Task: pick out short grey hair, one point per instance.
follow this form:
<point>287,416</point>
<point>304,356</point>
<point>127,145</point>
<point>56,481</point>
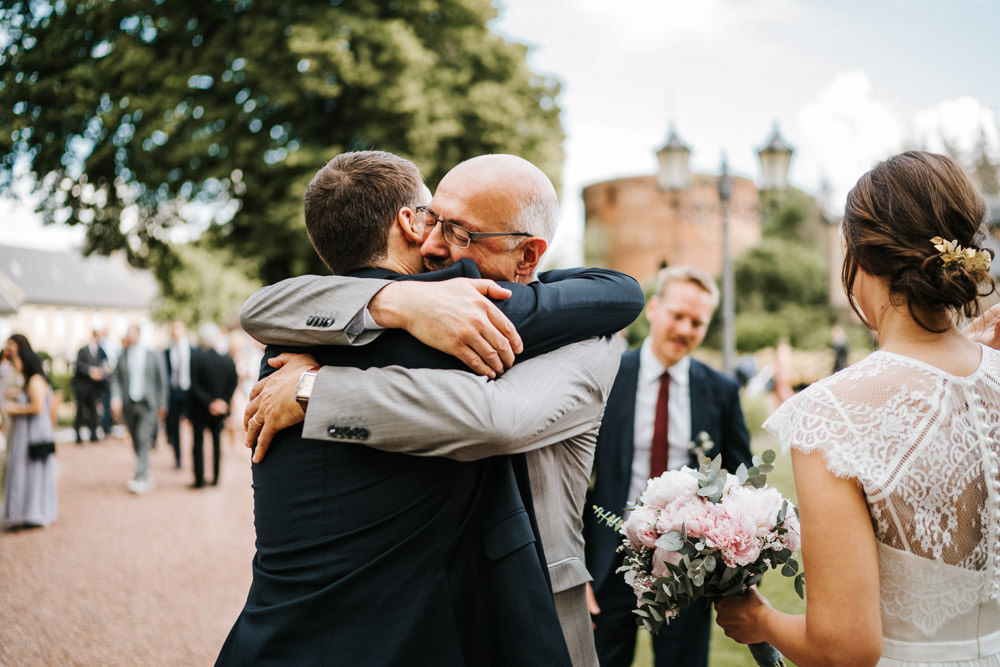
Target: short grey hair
<point>689,274</point>
<point>538,216</point>
<point>209,334</point>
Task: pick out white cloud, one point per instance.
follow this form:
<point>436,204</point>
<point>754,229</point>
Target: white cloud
<point>959,121</point>
<point>841,134</point>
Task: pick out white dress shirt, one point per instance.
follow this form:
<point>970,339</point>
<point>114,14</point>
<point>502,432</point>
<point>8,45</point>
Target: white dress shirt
<point>180,365</point>
<point>136,372</point>
<point>678,408</point>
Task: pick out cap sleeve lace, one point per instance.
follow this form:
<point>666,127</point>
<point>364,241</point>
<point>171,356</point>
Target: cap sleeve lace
<point>924,446</point>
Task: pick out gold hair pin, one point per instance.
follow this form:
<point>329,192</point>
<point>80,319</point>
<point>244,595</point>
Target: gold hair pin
<point>952,253</point>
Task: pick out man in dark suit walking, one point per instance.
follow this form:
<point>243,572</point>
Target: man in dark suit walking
<point>213,381</point>
<point>89,380</point>
<point>662,405</point>
<point>178,360</point>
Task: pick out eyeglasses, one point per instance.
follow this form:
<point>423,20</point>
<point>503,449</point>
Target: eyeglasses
<point>459,236</point>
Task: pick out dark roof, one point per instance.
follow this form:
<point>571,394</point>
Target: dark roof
<point>66,278</point>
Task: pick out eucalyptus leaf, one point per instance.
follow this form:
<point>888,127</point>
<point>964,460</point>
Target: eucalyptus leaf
<point>671,541</point>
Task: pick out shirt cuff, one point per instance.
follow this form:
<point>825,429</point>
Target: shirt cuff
<point>362,323</point>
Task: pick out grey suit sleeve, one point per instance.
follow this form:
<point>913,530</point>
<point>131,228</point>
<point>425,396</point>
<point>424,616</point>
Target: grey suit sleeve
<point>309,310</point>
<point>463,416</point>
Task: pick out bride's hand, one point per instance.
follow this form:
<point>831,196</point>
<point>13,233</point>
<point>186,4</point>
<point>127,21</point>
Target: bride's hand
<point>740,616</point>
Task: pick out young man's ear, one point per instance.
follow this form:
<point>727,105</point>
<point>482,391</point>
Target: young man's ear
<point>411,224</point>
<point>531,251</point>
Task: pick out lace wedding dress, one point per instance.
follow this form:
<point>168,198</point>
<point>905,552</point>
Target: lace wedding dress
<point>925,447</point>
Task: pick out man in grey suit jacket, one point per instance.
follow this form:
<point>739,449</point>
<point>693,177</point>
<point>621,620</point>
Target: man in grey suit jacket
<point>476,198</point>
<point>139,391</point>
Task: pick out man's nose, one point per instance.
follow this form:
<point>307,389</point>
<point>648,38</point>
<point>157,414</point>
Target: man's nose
<point>434,244</point>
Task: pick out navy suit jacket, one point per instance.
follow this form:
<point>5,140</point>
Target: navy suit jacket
<point>715,409</point>
<point>213,375</point>
<point>372,558</point>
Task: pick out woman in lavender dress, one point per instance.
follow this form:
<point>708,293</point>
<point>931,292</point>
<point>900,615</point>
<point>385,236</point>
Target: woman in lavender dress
<point>30,494</point>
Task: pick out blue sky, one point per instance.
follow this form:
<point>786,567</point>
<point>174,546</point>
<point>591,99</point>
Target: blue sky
<point>848,81</point>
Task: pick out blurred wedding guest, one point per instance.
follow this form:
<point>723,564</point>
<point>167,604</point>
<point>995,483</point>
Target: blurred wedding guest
<point>178,360</point>
<point>782,372</point>
<point>246,353</point>
<point>11,382</point>
<point>896,457</point>
<point>139,394</point>
<point>213,381</point>
<point>30,492</point>
<point>841,348</point>
<point>91,369</point>
<point>111,350</point>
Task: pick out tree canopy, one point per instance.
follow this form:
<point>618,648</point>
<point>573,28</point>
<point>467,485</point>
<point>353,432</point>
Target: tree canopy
<point>136,117</point>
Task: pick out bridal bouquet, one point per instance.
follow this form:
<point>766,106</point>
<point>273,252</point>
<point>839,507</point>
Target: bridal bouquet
<point>709,534</point>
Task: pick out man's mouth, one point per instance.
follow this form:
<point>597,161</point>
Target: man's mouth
<point>433,264</point>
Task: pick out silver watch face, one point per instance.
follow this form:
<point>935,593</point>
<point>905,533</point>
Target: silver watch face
<point>304,389</point>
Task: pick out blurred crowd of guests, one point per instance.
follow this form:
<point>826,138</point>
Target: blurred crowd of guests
<point>124,389</point>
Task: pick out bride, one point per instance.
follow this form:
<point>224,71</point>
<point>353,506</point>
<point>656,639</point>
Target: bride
<point>896,457</point>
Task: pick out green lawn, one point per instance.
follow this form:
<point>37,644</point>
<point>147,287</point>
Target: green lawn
<point>778,589</point>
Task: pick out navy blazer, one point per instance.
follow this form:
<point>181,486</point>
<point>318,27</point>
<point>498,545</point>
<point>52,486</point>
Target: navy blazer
<point>715,409</point>
<point>367,557</point>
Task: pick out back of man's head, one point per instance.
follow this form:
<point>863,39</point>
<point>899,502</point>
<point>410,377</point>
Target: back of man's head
<point>351,204</point>
<point>209,334</point>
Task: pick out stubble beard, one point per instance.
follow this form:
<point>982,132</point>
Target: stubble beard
<point>435,264</point>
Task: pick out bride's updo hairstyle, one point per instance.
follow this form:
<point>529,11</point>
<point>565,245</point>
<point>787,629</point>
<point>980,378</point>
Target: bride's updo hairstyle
<point>891,215</point>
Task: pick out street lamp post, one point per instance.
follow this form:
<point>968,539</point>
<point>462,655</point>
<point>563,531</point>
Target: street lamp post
<point>728,334</point>
<point>674,173</point>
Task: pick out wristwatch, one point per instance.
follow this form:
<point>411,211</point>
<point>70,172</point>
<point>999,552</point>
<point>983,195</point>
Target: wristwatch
<point>303,390</point>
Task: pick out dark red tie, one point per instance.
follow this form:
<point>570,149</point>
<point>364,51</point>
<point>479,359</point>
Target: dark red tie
<point>660,446</point>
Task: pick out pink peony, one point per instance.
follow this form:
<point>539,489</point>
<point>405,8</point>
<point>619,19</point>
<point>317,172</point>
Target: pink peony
<point>669,486</point>
<point>760,505</point>
<point>640,527</point>
<point>687,511</point>
<point>733,533</point>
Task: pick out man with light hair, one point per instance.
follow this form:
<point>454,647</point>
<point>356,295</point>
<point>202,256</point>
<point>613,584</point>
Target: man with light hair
<point>663,408</point>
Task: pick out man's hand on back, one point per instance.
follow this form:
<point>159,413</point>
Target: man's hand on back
<point>272,406</point>
<point>453,316</point>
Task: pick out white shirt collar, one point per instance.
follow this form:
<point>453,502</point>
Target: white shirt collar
<point>650,368</point>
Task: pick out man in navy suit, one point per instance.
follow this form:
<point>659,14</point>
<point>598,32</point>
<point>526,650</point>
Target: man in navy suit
<point>661,403</point>
<point>371,558</point>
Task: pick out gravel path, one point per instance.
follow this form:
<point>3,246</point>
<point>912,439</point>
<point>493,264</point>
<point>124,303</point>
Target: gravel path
<point>121,579</point>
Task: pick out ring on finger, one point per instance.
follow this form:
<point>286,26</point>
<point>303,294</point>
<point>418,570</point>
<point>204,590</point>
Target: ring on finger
<point>254,420</point>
